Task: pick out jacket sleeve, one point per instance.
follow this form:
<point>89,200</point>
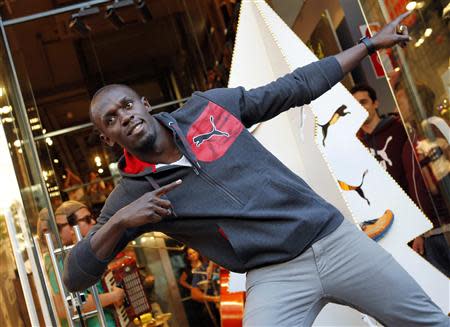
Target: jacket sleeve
<point>82,268</point>
<point>292,90</point>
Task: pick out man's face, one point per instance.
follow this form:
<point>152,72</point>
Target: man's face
<point>123,118</point>
<point>84,220</point>
<point>371,106</point>
<point>65,230</point>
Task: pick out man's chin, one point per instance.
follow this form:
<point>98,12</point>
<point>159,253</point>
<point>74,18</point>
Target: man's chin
<point>144,146</point>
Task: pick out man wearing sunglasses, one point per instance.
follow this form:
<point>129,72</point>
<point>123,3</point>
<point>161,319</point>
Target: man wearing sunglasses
<point>76,213</point>
<point>69,214</point>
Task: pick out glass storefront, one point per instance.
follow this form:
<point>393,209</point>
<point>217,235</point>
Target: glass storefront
<point>54,56</point>
<point>418,76</point>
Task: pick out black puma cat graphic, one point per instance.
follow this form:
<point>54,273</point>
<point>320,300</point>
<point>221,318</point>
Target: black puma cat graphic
<point>344,186</point>
<point>199,139</point>
<point>337,114</point>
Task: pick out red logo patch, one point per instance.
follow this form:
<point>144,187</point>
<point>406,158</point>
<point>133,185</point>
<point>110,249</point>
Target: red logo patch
<point>212,134</point>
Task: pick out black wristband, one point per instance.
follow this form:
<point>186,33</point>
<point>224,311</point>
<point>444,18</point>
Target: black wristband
<point>435,153</point>
<point>368,43</point>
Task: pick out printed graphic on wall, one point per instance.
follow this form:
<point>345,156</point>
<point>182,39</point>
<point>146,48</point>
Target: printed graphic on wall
<point>334,119</point>
<point>326,153</point>
<point>358,188</point>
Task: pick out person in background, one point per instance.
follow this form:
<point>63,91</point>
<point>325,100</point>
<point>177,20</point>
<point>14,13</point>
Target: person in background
<point>80,214</point>
<point>387,140</point>
<point>200,313</point>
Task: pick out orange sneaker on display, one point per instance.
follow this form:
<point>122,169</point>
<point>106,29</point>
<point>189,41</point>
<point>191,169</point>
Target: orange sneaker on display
<point>377,228</point>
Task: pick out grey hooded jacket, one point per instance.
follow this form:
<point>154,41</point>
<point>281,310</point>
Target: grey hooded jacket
<point>238,204</point>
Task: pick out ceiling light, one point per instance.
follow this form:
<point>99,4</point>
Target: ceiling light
<point>100,170</point>
<point>77,22</point>
<point>49,141</point>
<point>144,12</point>
<point>411,5</point>
<point>419,42</point>
<point>78,25</point>
<point>114,18</point>
<point>397,69</point>
<point>428,32</point>
<point>5,110</point>
<point>112,12</point>
<point>8,120</point>
<point>420,4</point>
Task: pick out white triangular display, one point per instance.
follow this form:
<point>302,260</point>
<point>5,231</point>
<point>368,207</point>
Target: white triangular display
<point>265,49</point>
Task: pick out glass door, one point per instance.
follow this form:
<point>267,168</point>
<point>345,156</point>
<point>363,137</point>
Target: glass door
<point>27,300</point>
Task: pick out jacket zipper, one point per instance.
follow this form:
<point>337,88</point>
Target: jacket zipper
<point>213,183</point>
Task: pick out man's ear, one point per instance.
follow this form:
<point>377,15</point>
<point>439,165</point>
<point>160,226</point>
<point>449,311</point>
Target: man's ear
<point>106,140</point>
<point>146,104</point>
<point>377,104</point>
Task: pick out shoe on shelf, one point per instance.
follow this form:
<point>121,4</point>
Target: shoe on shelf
<point>377,228</point>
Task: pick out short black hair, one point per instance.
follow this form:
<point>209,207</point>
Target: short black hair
<point>366,88</point>
<point>106,89</point>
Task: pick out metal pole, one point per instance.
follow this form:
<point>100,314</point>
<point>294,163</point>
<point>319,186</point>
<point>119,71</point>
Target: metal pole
<point>87,125</point>
<point>47,317</point>
<point>51,251</point>
<point>94,291</point>
<point>27,134</point>
<point>31,308</point>
<point>53,12</point>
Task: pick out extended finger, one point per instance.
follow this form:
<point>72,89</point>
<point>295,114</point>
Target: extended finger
<point>402,17</point>
<point>167,188</point>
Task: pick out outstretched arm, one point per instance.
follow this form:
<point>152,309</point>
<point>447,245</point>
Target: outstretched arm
<point>389,36</point>
<point>304,84</point>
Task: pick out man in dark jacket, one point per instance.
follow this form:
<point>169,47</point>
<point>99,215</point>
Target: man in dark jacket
<point>388,142</point>
<point>215,188</point>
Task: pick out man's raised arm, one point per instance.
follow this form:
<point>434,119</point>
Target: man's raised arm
<point>391,34</point>
<point>307,83</point>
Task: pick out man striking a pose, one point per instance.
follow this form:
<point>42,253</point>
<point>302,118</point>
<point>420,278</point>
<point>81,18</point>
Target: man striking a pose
<point>215,188</point>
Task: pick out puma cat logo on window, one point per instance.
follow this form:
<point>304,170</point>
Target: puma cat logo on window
<point>340,112</point>
<point>381,155</point>
<point>357,188</point>
<point>199,139</point>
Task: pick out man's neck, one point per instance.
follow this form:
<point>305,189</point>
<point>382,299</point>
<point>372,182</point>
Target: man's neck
<point>369,127</point>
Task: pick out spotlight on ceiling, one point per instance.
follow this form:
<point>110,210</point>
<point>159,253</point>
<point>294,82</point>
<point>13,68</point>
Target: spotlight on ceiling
<point>112,12</point>
<point>77,20</point>
<point>78,25</point>
<point>114,18</point>
<point>144,12</point>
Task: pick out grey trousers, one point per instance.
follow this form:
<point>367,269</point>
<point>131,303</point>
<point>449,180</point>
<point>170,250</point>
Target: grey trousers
<point>345,267</point>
